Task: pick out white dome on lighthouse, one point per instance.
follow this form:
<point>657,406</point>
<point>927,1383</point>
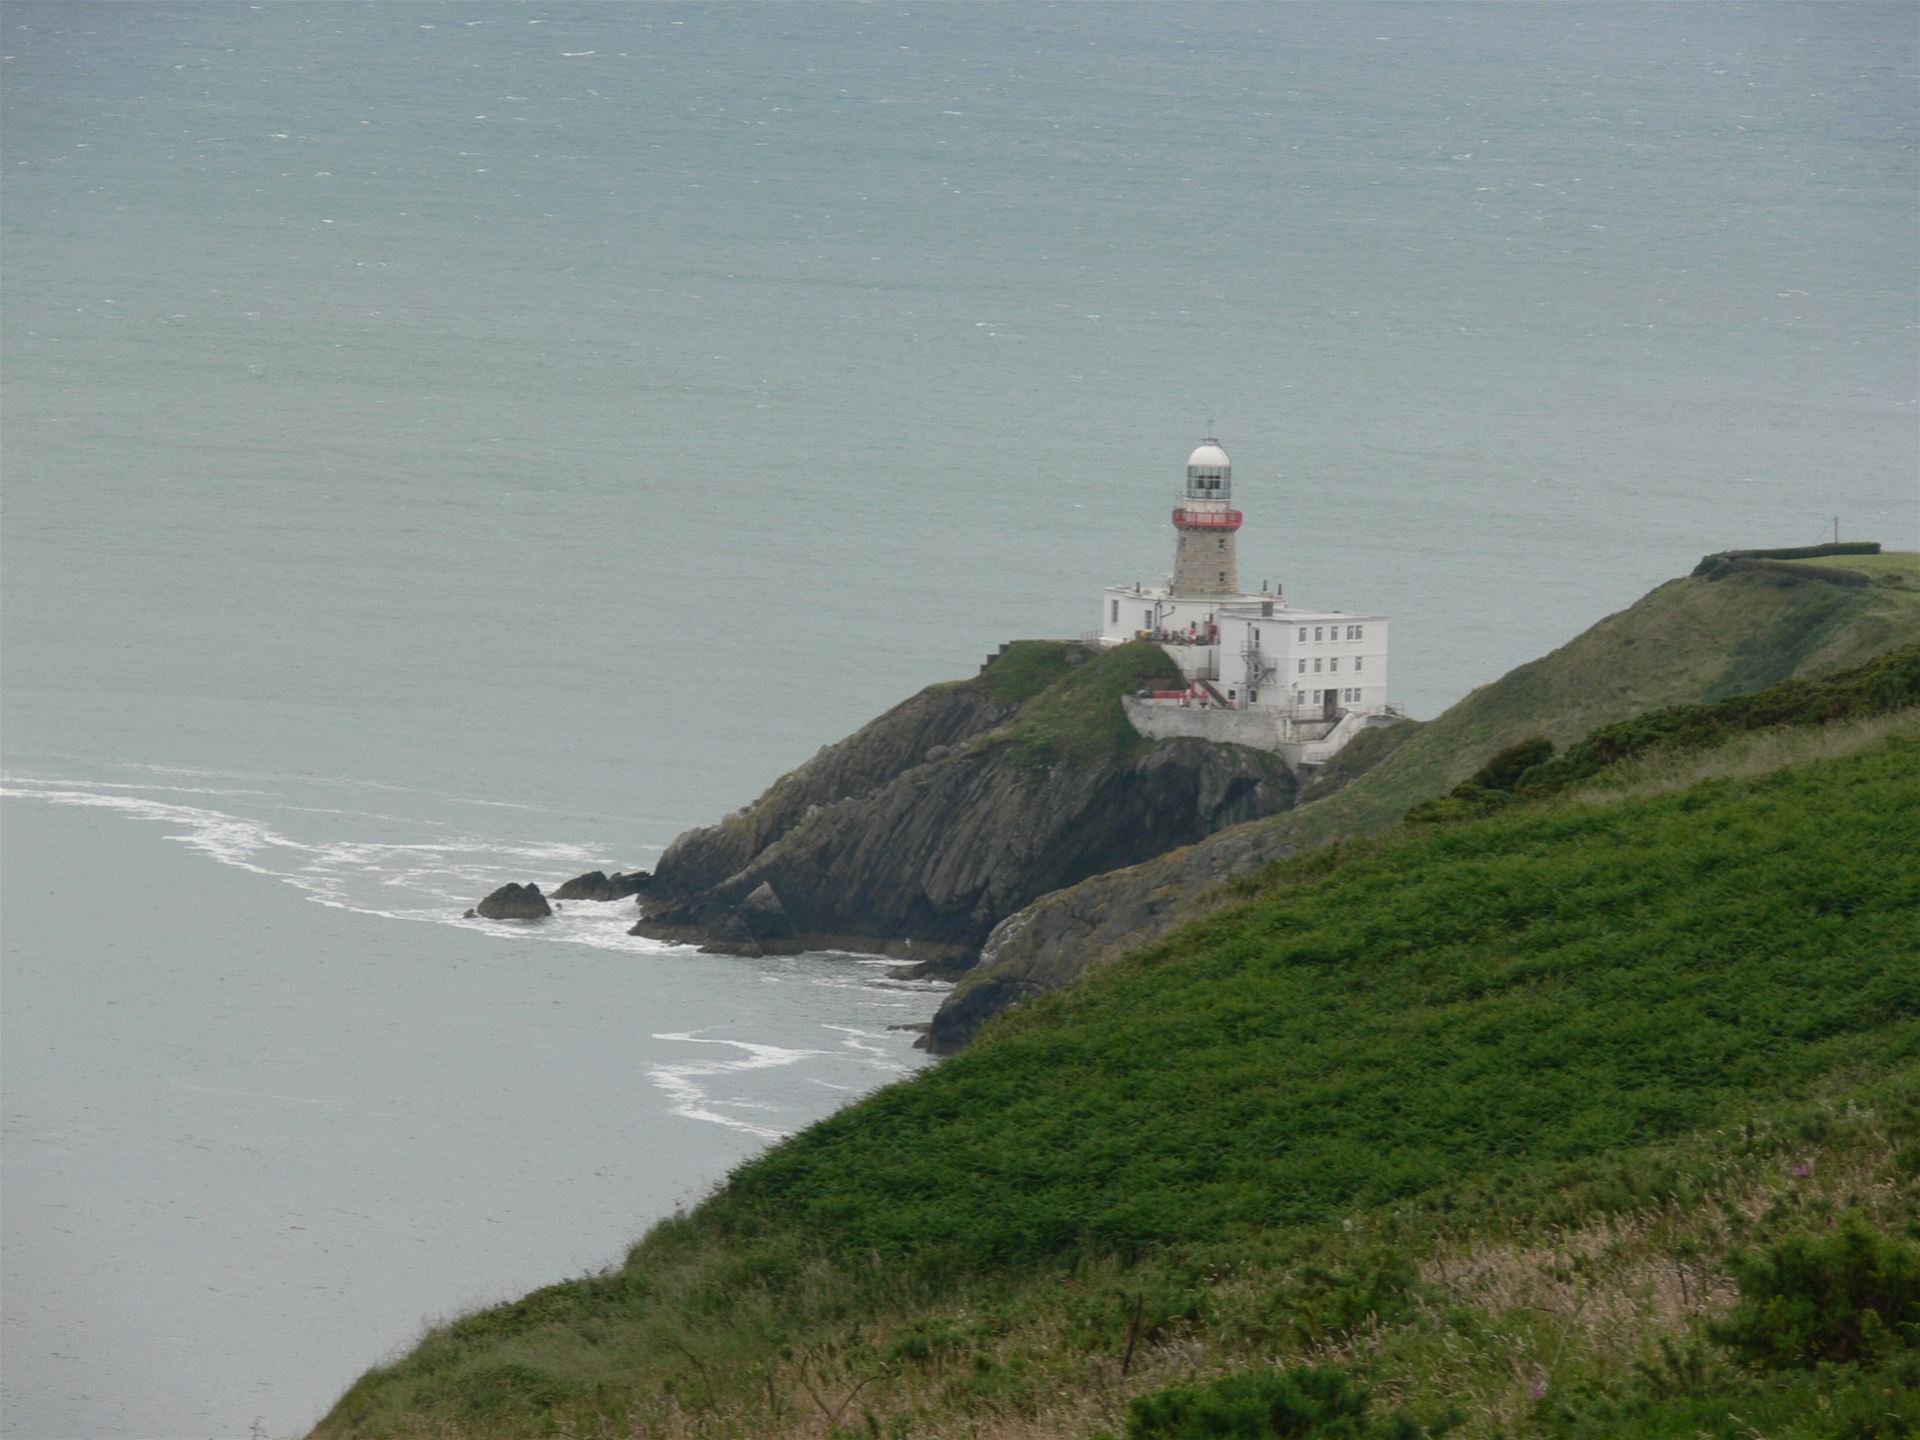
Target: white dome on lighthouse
<point>1209,456</point>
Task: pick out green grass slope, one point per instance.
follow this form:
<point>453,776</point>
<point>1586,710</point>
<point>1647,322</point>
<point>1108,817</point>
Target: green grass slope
<point>1689,640</point>
<point>1698,638</point>
<point>1562,1121</point>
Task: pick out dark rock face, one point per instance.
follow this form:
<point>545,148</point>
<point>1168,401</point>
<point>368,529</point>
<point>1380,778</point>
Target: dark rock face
<point>927,858</point>
<point>852,768</point>
<point>763,914</point>
<point>598,885</point>
<point>515,902</point>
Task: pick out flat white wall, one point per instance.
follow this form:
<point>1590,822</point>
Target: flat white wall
<point>1349,657</point>
<point>1257,728</point>
<point>1334,657</point>
<point>1313,650</point>
<point>1124,612</point>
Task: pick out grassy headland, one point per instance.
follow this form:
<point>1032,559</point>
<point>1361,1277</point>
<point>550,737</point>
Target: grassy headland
<point>1717,633</point>
<point>1565,1120</point>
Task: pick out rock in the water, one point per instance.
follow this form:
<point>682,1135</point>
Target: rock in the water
<point>515,902</point>
<point>598,885</point>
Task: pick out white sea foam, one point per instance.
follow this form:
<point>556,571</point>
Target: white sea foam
<point>861,1041</point>
<point>691,1099</point>
<point>431,879</point>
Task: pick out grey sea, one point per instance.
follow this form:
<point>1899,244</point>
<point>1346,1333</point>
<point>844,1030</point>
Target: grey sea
<point>447,443</point>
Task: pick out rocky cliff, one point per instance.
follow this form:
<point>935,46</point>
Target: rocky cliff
<point>922,831</point>
<point>1719,633</point>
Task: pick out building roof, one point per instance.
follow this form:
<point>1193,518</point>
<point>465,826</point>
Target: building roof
<point>1243,605</point>
<point>1209,455</point>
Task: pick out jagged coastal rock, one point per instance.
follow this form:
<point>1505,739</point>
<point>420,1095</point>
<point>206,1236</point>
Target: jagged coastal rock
<point>598,885</point>
<point>917,835</point>
<point>515,902</point>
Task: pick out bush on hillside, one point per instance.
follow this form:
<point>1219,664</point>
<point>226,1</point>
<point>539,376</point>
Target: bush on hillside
<point>1709,564</point>
<point>1507,767</point>
<point>1849,1295</point>
<point>1489,787</point>
<point>1887,683</point>
<point>1530,770</point>
<point>1310,1403</point>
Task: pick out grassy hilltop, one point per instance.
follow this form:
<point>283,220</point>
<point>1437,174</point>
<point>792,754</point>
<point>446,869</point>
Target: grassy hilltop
<point>1715,633</point>
<point>1588,1106</point>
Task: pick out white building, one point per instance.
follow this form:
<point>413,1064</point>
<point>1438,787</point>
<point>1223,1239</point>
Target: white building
<point>1259,671</point>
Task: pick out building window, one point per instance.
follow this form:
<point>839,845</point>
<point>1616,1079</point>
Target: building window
<point>1334,663</point>
<point>1358,661</point>
<point>1316,667</point>
<point>1316,632</point>
<point>1146,619</point>
<point>1266,609</point>
<point>1114,617</point>
<point>1359,632</point>
<point>1303,632</point>
<point>1303,667</point>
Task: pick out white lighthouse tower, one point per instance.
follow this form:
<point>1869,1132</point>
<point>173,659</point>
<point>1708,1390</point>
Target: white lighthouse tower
<point>1205,558</point>
<point>1258,671</point>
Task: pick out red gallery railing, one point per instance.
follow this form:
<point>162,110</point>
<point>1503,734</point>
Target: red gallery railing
<point>1207,519</point>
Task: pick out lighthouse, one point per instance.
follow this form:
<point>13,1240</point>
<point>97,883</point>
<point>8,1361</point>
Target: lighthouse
<point>1205,558</point>
<point>1258,670</point>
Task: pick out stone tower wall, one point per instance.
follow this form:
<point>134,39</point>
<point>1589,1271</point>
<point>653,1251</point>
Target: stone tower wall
<point>1206,562</point>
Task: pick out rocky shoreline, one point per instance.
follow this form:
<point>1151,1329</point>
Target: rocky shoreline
<point>1010,832</point>
<point>918,835</point>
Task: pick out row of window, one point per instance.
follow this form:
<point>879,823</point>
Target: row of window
<point>1333,664</point>
<point>1354,632</point>
<point>1347,697</point>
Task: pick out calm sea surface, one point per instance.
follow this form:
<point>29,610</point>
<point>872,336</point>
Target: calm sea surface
<point>452,443</point>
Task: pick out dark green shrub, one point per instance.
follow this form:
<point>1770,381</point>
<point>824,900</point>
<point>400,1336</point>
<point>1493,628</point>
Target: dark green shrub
<point>1848,1295</point>
<point>1790,552</point>
<point>1323,1403</point>
<point>1880,686</point>
<point>1307,1403</point>
<point>1488,788</point>
<point>1504,768</point>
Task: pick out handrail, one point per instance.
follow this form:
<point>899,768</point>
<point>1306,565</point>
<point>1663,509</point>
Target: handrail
<point>1207,519</point>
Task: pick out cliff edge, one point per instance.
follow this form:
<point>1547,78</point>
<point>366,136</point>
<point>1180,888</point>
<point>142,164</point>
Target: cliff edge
<point>919,833</point>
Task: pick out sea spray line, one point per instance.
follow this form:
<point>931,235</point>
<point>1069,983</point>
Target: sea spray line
<point>692,1101</point>
<point>856,1039</point>
<point>324,870</point>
